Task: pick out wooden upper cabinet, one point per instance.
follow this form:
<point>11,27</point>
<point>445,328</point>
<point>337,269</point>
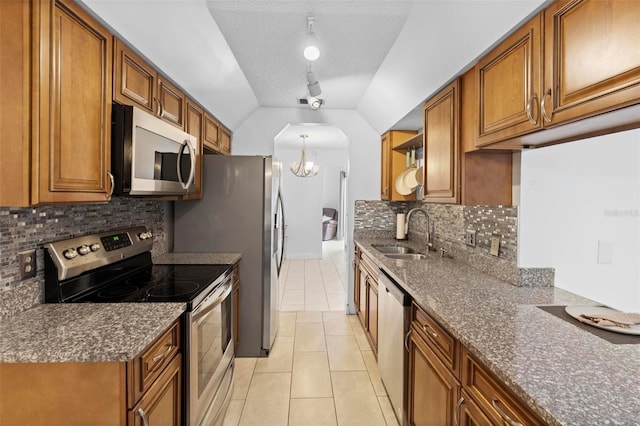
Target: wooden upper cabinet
<point>442,146</point>
<point>171,103</point>
<point>592,58</point>
<point>138,83</point>
<point>509,81</point>
<point>74,101</point>
<point>224,141</point>
<point>393,162</point>
<point>134,79</point>
<point>210,133</point>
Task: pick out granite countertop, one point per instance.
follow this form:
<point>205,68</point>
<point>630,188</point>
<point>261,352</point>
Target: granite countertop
<point>84,332</point>
<point>198,258</point>
<point>565,374</point>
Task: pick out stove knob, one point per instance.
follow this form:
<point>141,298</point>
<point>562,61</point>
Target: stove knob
<point>145,235</point>
<point>95,247</point>
<point>70,253</point>
<point>83,250</point>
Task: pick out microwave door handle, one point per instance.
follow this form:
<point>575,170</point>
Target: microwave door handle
<point>192,152</point>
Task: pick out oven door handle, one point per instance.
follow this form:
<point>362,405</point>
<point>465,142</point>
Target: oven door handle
<point>212,300</point>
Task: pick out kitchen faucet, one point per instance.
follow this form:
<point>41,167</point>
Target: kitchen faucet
<point>430,230</point>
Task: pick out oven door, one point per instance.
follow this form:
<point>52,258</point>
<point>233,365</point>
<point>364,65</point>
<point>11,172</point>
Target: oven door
<point>210,357</point>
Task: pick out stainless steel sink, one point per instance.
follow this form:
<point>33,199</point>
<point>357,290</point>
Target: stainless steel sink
<point>393,249</point>
<point>406,256</point>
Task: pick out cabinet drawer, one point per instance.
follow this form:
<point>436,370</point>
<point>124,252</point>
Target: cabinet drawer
<point>444,344</point>
<point>146,367</point>
<point>493,398</point>
<point>370,266</point>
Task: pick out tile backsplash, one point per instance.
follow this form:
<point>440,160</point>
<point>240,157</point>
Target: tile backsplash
<point>30,228</point>
<point>451,223</point>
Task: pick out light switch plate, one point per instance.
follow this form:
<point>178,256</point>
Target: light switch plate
<point>495,245</point>
<point>605,252</point>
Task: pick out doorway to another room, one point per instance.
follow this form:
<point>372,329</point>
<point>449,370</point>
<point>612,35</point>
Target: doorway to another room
<point>314,274</point>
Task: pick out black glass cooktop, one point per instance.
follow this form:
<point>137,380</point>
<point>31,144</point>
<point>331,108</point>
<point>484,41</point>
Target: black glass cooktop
<point>158,283</point>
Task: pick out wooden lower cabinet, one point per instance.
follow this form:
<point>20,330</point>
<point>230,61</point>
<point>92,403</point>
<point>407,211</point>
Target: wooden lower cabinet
<point>433,390</point>
<point>161,405</point>
<point>493,398</point>
<point>97,393</point>
<point>372,309</point>
<point>366,280</point>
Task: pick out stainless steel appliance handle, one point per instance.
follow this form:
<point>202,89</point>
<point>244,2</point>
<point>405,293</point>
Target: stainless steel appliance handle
<point>281,248</point>
<point>192,155</point>
<point>504,416</point>
<point>143,415</point>
<point>213,300</point>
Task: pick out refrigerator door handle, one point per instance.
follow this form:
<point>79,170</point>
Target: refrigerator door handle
<point>280,225</point>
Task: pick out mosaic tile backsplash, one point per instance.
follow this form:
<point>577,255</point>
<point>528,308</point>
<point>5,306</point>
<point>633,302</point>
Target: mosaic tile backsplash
<point>30,228</point>
<point>451,222</point>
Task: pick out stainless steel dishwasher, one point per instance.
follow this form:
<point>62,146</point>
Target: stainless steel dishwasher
<point>393,323</point>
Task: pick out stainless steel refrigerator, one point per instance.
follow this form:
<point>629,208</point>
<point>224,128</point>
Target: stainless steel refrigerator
<point>241,212</point>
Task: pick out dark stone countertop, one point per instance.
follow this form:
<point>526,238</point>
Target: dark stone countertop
<point>565,374</point>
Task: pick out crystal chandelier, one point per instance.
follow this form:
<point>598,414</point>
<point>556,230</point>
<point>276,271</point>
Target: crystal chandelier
<point>304,168</point>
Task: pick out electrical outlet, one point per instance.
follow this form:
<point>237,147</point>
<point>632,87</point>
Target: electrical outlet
<point>470,238</point>
<point>27,264</point>
<point>495,245</point>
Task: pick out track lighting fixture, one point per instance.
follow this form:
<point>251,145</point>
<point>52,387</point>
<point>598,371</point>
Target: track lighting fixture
<point>311,51</point>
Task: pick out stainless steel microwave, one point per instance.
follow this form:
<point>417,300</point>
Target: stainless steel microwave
<point>149,156</point>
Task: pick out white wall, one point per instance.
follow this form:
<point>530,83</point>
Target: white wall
<point>304,199</point>
<point>408,76</point>
<point>574,196</point>
<point>256,134</point>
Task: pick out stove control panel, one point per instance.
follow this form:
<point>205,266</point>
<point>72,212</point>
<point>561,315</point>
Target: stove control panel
<point>74,256</point>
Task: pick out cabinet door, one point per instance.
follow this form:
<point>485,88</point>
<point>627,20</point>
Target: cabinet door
<point>161,405</point>
<point>74,106</point>
<point>210,136</point>
<point>171,102</point>
<point>134,79</point>
<point>224,140</point>
<point>592,58</point>
<point>362,307</point>
<point>385,170</point>
<point>194,120</point>
<point>373,314</point>
<point>442,146</point>
<point>356,280</point>
<point>509,82</point>
<point>432,389</point>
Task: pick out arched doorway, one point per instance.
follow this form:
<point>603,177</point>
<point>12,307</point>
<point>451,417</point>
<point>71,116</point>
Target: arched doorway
<point>315,275</point>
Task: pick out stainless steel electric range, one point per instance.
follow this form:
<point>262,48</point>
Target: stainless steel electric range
<point>116,267</point>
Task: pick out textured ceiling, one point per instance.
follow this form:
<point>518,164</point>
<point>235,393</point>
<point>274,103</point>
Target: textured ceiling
<point>266,38</point>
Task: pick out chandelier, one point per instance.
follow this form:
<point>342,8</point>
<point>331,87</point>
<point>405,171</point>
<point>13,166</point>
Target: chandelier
<point>304,168</point>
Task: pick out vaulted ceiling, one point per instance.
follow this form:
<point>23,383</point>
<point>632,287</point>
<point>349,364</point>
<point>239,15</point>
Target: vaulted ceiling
<point>380,57</point>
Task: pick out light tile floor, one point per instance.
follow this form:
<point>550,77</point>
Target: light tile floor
<point>321,370</point>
